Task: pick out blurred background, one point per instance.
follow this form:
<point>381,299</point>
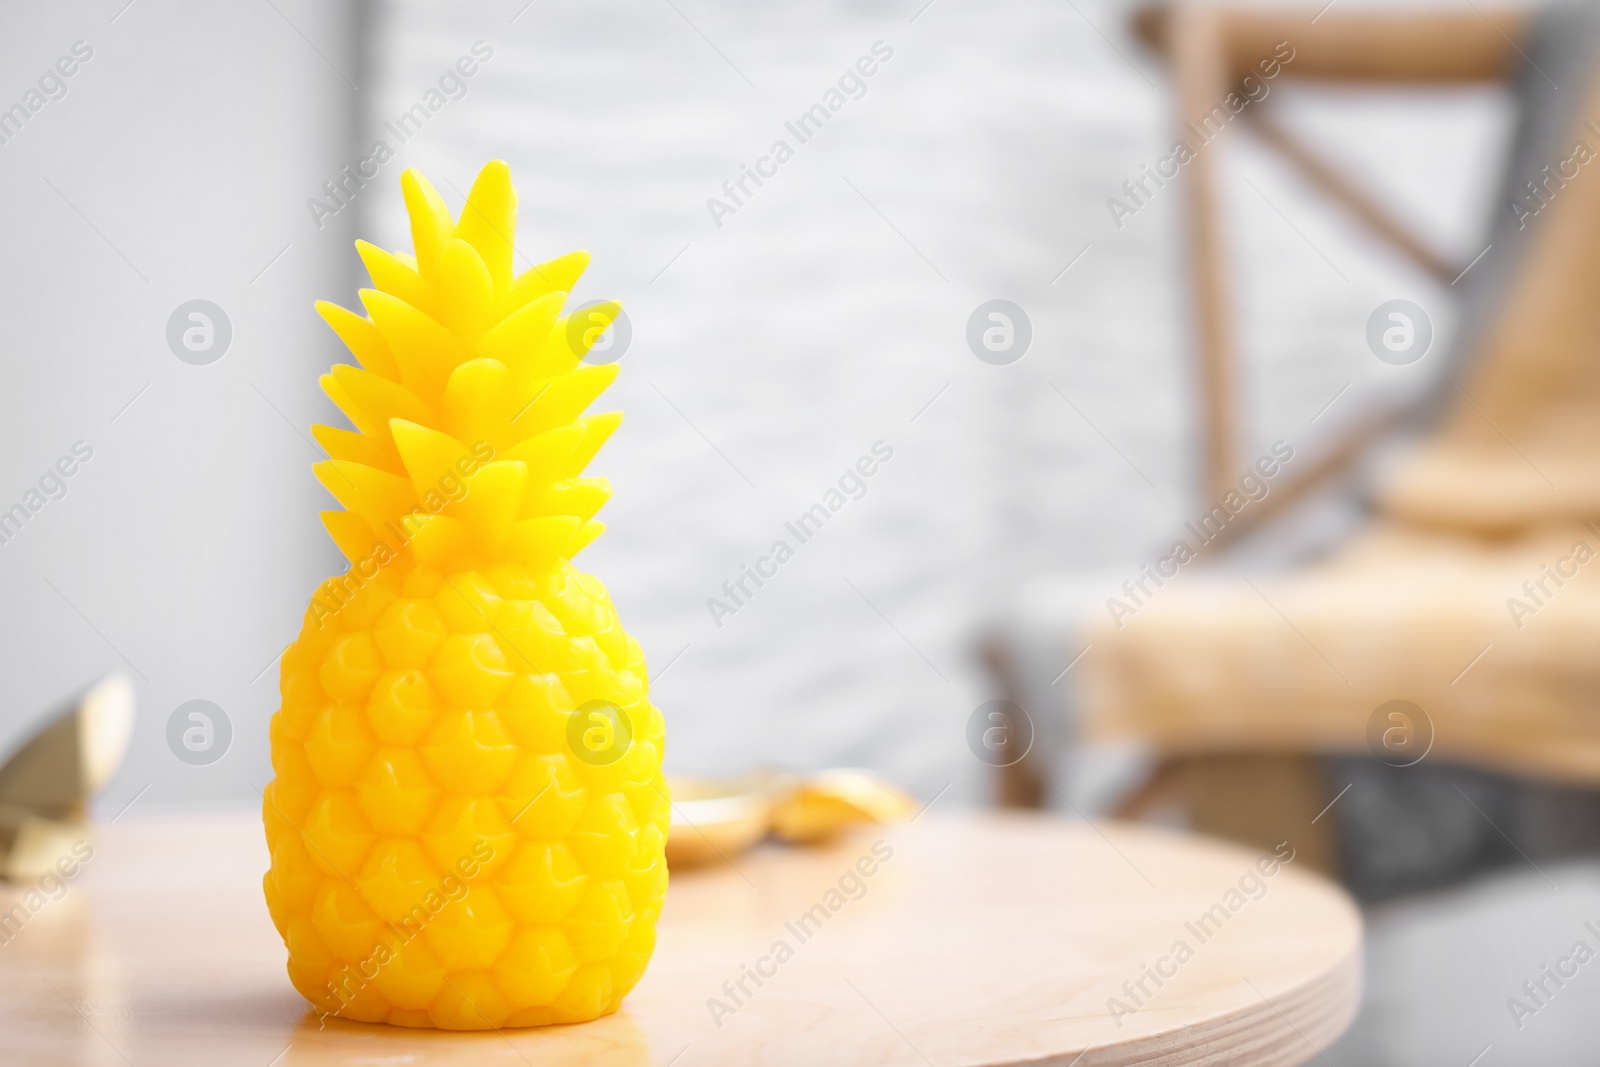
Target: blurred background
<point>778,332</point>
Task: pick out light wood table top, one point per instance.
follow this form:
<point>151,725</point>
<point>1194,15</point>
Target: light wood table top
<point>981,940</point>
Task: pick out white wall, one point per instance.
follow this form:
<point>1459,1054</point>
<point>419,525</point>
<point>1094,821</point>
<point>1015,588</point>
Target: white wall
<point>175,168</point>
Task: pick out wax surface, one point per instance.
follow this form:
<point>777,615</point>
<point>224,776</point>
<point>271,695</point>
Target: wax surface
<point>468,816</point>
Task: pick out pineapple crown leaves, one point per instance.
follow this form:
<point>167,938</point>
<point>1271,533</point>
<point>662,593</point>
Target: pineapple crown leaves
<point>468,400</point>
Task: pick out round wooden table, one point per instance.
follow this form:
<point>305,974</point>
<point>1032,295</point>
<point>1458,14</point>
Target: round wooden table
<point>953,941</point>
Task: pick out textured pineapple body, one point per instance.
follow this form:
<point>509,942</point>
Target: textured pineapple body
<point>468,818</point>
<point>442,853</point>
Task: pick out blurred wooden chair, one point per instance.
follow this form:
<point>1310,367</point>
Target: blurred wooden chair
<point>1241,683</point>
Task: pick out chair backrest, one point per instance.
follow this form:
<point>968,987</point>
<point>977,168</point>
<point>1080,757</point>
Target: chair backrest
<point>1509,438</point>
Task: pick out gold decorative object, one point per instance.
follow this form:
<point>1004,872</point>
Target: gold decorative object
<point>719,818</point>
<point>46,783</point>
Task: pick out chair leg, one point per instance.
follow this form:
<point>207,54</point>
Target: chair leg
<point>1254,799</point>
<point>1024,778</point>
<point>1160,794</point>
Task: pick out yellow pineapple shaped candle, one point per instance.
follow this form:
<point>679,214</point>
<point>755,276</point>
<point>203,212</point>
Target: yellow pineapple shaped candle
<point>468,816</point>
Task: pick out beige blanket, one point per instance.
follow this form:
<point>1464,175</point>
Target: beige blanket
<point>1475,594</point>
